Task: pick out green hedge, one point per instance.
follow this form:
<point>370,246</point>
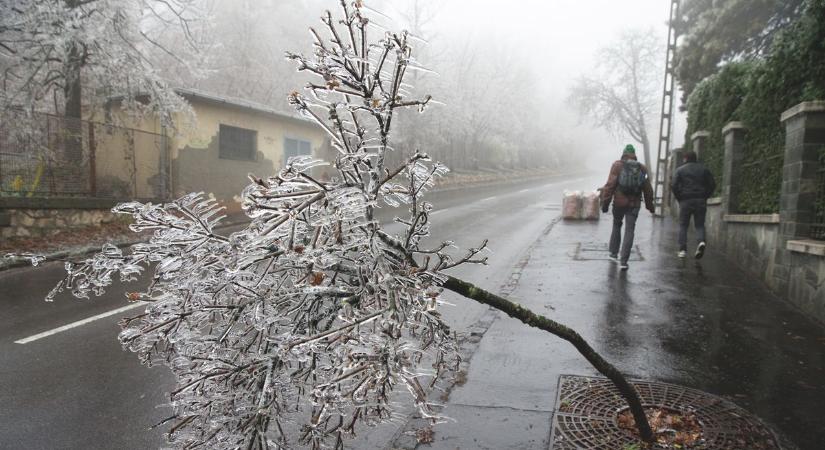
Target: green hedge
<point>756,93</point>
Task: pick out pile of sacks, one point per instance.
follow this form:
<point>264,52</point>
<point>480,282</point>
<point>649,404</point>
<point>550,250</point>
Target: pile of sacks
<point>578,205</point>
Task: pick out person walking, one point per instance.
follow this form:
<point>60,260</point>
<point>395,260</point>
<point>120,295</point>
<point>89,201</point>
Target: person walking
<point>626,186</point>
<point>692,185</point>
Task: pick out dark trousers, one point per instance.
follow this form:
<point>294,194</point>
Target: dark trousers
<point>696,208</point>
<point>628,215</point>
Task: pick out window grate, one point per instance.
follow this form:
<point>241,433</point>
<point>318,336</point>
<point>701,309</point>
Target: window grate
<point>237,143</point>
<point>296,147</point>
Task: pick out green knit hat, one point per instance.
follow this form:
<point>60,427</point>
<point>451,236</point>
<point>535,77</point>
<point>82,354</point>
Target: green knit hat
<point>629,150</point>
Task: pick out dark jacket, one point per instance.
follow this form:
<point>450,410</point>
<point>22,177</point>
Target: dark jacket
<point>693,180</point>
<point>610,191</point>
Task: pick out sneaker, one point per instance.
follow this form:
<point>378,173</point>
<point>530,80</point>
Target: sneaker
<point>623,266</point>
<point>614,258</point>
<point>700,250</point>
<point>682,254</point>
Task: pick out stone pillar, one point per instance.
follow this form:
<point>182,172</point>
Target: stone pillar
<point>734,135</point>
<point>673,162</point>
<point>699,142</point>
<point>804,137</point>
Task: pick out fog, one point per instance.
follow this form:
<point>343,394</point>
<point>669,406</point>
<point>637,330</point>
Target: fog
<point>502,70</point>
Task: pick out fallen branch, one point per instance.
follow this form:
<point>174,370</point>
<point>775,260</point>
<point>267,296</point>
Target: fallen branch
<point>532,319</point>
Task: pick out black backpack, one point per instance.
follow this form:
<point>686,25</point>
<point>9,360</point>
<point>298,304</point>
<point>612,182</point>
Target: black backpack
<point>632,178</point>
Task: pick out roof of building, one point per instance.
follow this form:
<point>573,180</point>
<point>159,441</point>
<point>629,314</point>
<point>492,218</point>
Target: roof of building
<point>238,103</point>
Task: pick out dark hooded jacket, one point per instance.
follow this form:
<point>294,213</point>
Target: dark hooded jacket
<point>691,181</point>
<point>621,200</point>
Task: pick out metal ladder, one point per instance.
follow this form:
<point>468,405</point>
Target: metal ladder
<point>666,122</point>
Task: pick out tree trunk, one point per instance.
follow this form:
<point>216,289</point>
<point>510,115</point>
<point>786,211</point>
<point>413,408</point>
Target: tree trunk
<point>532,319</point>
<point>72,92</point>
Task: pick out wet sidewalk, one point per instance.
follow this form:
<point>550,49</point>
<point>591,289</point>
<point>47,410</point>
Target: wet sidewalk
<point>705,325</point>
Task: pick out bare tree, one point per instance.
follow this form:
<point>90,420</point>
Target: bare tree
<point>620,96</point>
<point>60,54</point>
<point>297,328</point>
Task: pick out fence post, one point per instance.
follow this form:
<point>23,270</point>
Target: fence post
<point>92,160</point>
<point>674,161</point>
<point>734,135</point>
<point>699,142</point>
<point>804,138</point>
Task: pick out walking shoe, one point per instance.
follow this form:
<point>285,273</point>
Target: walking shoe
<point>614,258</point>
<point>700,250</point>
<point>623,266</point>
<point>682,254</point>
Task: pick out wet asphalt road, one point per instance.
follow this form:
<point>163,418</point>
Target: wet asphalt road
<point>708,327</point>
<point>79,390</point>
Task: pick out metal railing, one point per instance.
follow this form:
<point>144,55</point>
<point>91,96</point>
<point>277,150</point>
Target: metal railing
<point>63,157</point>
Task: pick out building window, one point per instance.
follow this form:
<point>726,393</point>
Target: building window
<point>237,143</point>
<point>295,147</point>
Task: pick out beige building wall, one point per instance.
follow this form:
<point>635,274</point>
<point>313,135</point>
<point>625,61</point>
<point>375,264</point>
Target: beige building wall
<point>129,161</point>
<point>196,162</point>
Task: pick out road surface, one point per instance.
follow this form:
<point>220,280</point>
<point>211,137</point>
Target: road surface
<point>65,382</point>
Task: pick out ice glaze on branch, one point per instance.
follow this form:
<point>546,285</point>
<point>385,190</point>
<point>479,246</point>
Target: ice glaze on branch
<point>297,329</point>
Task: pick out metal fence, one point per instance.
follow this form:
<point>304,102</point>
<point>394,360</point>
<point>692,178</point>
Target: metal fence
<point>760,175</point>
<point>818,227</point>
<point>62,157</point>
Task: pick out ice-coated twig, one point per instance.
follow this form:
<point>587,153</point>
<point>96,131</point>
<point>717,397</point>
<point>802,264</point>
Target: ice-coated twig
<point>299,328</point>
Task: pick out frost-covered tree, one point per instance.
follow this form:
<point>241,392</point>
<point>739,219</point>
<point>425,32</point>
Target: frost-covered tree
<point>622,93</point>
<point>68,55</point>
<point>295,330</point>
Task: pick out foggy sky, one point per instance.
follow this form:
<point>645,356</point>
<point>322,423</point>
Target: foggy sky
<point>561,38</point>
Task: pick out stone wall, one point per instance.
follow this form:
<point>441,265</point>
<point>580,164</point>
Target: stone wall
<point>751,243</point>
<point>777,248</point>
<point>23,217</point>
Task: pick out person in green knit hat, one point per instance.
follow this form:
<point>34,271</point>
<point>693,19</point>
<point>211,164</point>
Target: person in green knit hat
<point>627,185</point>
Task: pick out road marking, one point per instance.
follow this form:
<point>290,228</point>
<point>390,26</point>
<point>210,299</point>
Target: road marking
<point>489,198</point>
<point>79,323</point>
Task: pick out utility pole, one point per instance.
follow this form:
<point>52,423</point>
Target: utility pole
<point>666,122</point>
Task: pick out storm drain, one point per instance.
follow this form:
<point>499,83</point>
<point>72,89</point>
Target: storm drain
<point>587,410</point>
<point>599,251</point>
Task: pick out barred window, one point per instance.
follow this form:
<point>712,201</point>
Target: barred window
<point>295,147</point>
<point>237,143</point>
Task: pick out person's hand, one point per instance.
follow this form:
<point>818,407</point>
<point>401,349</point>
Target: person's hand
<point>605,208</point>
<point>652,210</point>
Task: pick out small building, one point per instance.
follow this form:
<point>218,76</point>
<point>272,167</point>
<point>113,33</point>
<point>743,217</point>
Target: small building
<point>71,172</point>
<point>230,139</point>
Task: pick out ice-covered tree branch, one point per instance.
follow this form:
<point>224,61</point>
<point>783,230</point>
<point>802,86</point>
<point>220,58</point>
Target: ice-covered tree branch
<point>298,329</point>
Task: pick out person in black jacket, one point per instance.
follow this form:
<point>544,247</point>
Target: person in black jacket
<point>692,185</point>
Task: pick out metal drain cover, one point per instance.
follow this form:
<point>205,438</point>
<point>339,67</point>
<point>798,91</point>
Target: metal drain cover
<point>599,251</point>
<point>587,409</point>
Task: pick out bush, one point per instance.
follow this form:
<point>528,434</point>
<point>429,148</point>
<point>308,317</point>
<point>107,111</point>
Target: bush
<point>756,93</point>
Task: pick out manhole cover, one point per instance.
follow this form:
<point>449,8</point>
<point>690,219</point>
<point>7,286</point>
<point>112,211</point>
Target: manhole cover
<point>599,251</point>
<point>587,409</point>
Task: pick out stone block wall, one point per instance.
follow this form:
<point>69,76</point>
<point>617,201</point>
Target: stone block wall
<point>776,248</point>
<point>24,217</point>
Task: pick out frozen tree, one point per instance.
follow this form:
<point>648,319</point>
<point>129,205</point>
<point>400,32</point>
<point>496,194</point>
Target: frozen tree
<point>622,94</point>
<point>295,330</point>
<point>66,55</point>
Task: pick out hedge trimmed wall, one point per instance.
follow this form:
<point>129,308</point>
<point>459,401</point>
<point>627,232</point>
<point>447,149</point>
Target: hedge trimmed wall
<point>756,93</point>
